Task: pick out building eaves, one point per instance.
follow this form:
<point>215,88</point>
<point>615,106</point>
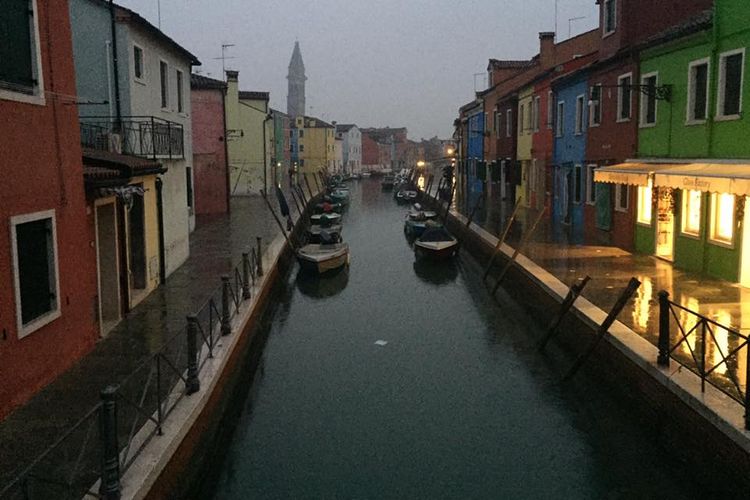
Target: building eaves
<point>108,164</point>
<point>695,24</point>
<point>252,95</point>
<point>200,82</point>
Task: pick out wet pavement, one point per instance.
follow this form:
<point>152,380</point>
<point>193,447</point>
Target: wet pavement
<point>403,379</point>
<point>216,246</point>
<point>553,248</point>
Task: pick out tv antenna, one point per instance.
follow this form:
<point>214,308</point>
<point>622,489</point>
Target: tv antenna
<point>224,57</point>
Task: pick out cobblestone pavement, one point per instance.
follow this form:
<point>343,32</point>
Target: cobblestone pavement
<point>216,246</point>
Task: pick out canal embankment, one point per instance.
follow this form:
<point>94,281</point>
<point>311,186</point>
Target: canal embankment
<point>702,427</point>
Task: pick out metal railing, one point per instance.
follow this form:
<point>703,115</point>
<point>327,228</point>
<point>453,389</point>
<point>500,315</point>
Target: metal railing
<point>145,136</point>
<point>709,349</point>
<point>89,458</point>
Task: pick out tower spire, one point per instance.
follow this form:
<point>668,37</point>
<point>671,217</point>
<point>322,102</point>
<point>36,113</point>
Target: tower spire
<point>295,99</point>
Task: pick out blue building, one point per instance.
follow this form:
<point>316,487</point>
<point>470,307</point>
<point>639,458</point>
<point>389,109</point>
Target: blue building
<point>475,165</point>
<point>571,113</point>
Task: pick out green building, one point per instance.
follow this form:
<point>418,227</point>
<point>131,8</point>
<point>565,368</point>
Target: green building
<point>693,170</point>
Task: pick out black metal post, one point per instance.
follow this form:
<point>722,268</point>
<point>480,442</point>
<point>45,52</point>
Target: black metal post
<point>226,326</point>
<point>663,344</point>
<point>245,275</point>
<point>747,390</point>
<point>260,257</point>
<point>192,383</point>
<point>109,487</point>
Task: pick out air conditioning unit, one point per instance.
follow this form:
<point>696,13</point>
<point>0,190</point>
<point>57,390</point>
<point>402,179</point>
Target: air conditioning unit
<point>114,143</point>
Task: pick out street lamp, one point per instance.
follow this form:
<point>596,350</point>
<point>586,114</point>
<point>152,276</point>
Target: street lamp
<point>450,151</point>
<point>420,163</point>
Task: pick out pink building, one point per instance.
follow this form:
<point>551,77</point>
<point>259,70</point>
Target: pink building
<point>211,172</point>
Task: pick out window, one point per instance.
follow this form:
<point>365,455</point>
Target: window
<point>509,123</point>
<point>301,133</point>
<point>610,16</point>
<point>691,212</point>
<point>722,218</point>
<point>550,110</point>
<point>180,102</point>
<point>697,102</point>
<point>138,69</point>
<point>35,270</point>
<point>648,100</point>
<point>560,119</point>
<point>302,163</point>
<point>189,182</point>
<point>537,105</point>
<point>579,115</point>
<point>496,123</point>
<point>577,181</point>
<point>521,116</point>
<point>624,97</point>
<point>622,197</point>
<point>301,148</point>
<point>20,69</point>
<point>731,69</point>
<point>645,204</point>
<point>164,76</point>
<point>590,185</point>
<point>595,108</point>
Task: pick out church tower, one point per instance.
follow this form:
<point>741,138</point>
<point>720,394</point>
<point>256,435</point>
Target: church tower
<point>295,99</point>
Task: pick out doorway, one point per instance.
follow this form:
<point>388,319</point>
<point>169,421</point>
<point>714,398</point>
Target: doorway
<point>137,242</point>
<point>107,267</point>
<point>665,224</point>
<point>745,259</point>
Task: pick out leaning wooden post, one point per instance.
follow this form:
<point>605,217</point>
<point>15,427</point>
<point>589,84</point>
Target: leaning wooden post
<point>301,193</point>
<point>192,382</point>
<point>663,358</point>
<point>573,293</point>
<point>521,246</point>
<point>226,322</point>
<point>450,201</point>
<point>604,328</point>
<point>246,275</point>
<point>501,240</point>
<point>260,256</point>
<point>307,183</point>
<point>296,204</point>
<point>276,218</point>
<point>317,184</point>
<point>109,486</point>
<point>474,210</point>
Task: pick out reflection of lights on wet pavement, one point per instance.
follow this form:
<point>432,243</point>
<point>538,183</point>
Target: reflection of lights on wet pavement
<point>642,302</point>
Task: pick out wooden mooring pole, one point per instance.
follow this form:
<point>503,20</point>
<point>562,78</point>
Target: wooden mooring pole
<point>521,246</point>
<point>307,183</point>
<point>573,293</point>
<point>604,328</point>
<point>474,210</point>
<point>278,221</point>
<point>501,240</point>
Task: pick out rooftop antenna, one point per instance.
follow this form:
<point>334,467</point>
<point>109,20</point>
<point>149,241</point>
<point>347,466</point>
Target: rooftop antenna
<point>224,47</point>
<point>158,12</point>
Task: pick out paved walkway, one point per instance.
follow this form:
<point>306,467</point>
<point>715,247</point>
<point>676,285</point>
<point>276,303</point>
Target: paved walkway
<point>216,247</point>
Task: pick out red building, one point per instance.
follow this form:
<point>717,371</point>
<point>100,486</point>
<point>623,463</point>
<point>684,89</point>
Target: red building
<point>370,152</point>
<point>47,257</point>
<point>211,172</point>
<point>613,118</point>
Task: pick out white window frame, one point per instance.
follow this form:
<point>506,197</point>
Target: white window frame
<point>595,119</point>
<point>164,86</point>
<point>722,81</point>
<point>142,78</point>
<point>684,217</point>
<point>620,101</point>
<point>712,215</point>
<point>590,185</point>
<point>560,119</point>
<point>618,190</point>
<point>605,3</point>
<point>580,115</point>
<point>180,86</point>
<point>690,101</point>
<point>521,118</point>
<point>509,123</point>
<point>496,125</point>
<point>537,112</point>
<point>44,319</point>
<point>37,96</point>
<point>550,110</point>
<point>644,99</point>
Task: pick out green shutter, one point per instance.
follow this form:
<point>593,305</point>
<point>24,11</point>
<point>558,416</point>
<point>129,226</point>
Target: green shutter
<point>15,45</point>
<point>603,206</point>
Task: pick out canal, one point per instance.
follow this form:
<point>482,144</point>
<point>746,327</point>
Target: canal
<point>399,379</point>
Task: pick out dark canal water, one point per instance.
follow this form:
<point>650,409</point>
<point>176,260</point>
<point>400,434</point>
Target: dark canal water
<point>457,404</point>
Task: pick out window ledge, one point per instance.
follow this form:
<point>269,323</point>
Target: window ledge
<point>692,123</point>
<point>692,236</point>
<point>647,125</point>
<point>726,118</point>
<point>721,243</point>
<point>609,33</point>
<point>35,99</point>
<point>36,324</point>
<point>622,120</point>
<point>638,223</point>
<point>623,210</point>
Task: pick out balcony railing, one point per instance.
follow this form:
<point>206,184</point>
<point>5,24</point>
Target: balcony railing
<point>145,136</point>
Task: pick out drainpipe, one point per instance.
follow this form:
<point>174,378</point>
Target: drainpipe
<point>113,28</point>
<point>226,147</point>
<point>160,223</point>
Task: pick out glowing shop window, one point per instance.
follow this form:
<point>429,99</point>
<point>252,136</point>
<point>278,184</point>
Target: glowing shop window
<point>691,212</point>
<point>644,205</point>
<point>722,217</point>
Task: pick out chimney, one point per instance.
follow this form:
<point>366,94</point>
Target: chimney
<point>547,49</point>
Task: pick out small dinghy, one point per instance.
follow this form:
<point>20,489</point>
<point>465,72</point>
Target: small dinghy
<point>313,232</point>
<point>436,243</point>
<point>320,219</point>
<point>417,220</point>
<point>406,196</point>
<point>328,255</point>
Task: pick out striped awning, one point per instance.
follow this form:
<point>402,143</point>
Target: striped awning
<point>633,173</point>
<point>732,178</point>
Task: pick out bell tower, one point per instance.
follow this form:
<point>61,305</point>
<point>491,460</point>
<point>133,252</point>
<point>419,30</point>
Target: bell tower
<point>295,99</point>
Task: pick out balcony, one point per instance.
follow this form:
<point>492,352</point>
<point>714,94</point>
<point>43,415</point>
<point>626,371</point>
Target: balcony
<point>143,136</point>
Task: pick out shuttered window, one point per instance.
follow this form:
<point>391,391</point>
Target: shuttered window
<point>16,59</point>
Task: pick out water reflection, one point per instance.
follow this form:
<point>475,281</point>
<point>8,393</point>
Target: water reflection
<point>321,287</point>
<point>436,272</point>
<point>642,302</point>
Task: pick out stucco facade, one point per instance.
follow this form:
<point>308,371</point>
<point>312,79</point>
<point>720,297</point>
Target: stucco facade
<point>352,147</point>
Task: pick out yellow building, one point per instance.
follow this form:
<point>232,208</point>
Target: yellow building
<point>315,147</point>
<point>528,122</point>
<point>249,138</point>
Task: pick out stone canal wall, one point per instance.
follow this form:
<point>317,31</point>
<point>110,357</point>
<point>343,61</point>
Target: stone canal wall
<point>703,430</point>
<point>172,465</point>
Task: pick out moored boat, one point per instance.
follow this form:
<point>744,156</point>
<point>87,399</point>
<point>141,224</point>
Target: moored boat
<point>323,257</point>
<point>406,196</point>
<point>387,183</point>
<point>418,220</point>
<point>436,243</point>
<point>365,174</point>
<point>314,232</point>
<point>330,217</point>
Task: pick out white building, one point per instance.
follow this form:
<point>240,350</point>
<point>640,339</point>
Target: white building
<point>352,147</point>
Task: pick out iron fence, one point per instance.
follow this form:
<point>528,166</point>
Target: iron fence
<point>88,459</point>
<point>717,353</point>
<point>145,136</point>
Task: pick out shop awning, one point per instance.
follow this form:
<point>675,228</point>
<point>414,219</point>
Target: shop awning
<point>633,173</point>
<point>732,178</point>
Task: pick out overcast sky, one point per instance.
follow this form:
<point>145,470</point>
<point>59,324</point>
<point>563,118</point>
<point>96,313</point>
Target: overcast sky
<point>377,63</point>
